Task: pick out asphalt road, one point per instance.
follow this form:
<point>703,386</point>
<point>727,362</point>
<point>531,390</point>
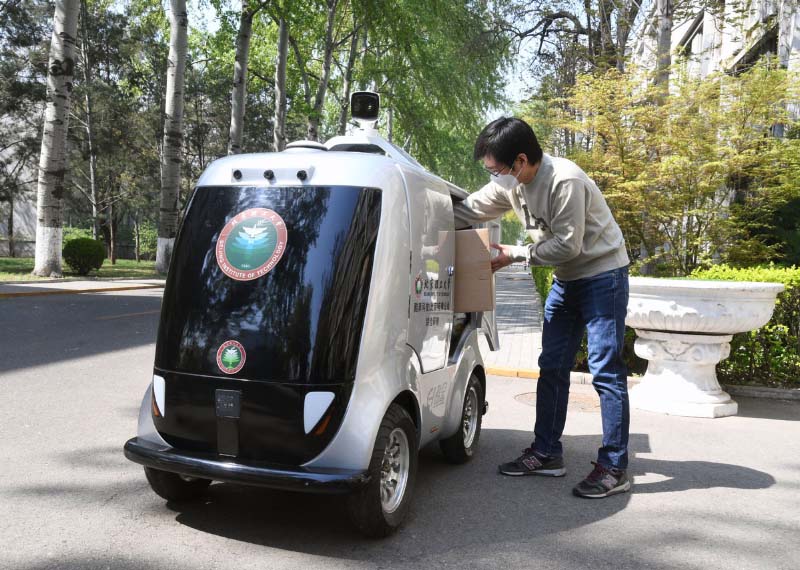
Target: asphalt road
<point>708,493</point>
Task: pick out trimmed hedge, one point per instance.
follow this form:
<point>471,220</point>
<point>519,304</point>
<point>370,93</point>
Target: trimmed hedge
<point>84,254</point>
<point>769,356</point>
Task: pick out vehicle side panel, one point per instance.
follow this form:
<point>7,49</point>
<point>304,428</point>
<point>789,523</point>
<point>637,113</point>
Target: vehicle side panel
<point>385,362</point>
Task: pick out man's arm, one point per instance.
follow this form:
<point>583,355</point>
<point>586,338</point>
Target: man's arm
<point>567,225</point>
<point>486,204</point>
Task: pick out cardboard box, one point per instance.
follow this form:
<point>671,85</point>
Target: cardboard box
<point>474,281</point>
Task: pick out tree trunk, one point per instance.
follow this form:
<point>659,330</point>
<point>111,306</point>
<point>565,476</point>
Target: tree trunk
<point>590,34</point>
<point>608,55</point>
<point>112,238</point>
<point>239,93</point>
<point>626,15</point>
<point>87,78</point>
<point>664,9</point>
<point>319,99</point>
<point>173,135</point>
<point>348,79</point>
<point>279,133</point>
<point>137,239</point>
<point>11,252</point>
<point>53,157</point>
<point>301,66</point>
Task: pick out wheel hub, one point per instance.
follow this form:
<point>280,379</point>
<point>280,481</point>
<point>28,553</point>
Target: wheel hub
<point>470,417</point>
<point>394,470</point>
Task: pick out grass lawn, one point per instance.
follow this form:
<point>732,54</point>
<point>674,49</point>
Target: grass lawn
<point>19,269</point>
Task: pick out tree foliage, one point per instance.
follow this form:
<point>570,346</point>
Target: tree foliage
<point>436,86</point>
<point>696,178</point>
<point>691,180</point>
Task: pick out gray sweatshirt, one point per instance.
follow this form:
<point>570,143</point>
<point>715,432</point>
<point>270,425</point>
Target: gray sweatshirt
<point>565,215</point>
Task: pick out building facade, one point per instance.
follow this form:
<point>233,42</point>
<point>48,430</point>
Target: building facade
<point>728,38</point>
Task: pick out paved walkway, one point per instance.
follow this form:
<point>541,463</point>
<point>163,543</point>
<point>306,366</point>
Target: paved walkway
<point>36,288</point>
<point>519,324</point>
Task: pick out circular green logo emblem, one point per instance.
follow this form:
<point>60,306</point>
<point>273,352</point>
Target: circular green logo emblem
<point>251,244</point>
<point>231,357</point>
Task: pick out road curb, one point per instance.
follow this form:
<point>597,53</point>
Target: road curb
<point>77,291</point>
<point>763,392</point>
<point>734,390</point>
<point>513,372</point>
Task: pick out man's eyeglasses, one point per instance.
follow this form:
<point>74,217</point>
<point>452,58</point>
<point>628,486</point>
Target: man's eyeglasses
<point>500,171</point>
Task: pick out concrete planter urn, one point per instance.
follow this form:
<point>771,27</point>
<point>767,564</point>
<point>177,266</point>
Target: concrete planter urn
<point>683,329</point>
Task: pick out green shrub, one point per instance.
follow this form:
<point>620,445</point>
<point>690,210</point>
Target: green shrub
<point>543,278</point>
<point>84,254</point>
<point>148,240</point>
<point>771,354</point>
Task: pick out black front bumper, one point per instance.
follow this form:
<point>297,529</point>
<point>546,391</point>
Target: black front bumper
<point>209,466</point>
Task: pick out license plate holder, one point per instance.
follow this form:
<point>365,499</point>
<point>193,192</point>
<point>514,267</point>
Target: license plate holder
<point>228,403</point>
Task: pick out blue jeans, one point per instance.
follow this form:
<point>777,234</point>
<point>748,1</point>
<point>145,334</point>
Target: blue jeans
<point>598,305</point>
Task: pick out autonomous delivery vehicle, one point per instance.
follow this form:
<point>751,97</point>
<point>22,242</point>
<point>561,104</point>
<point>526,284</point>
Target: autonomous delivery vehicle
<point>308,339</point>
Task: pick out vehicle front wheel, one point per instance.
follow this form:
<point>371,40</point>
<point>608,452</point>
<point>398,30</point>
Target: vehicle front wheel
<point>462,445</point>
<point>174,487</point>
<point>379,508</point>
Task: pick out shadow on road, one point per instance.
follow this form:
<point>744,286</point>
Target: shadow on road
<point>453,505</point>
<point>52,329</point>
<point>456,508</point>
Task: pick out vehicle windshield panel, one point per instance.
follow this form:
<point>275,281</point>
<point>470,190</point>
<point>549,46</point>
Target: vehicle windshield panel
<point>283,273</point>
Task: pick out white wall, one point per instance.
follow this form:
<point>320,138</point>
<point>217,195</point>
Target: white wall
<point>24,228</point>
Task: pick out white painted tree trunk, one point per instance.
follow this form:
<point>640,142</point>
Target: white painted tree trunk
<point>173,135</point>
<point>53,157</point>
<point>279,132</point>
<point>322,88</point>
<point>239,93</point>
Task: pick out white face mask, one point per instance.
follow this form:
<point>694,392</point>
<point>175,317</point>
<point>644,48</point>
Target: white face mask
<point>508,181</point>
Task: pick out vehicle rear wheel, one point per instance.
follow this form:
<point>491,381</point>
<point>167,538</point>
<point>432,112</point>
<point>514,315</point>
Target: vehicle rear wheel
<point>380,507</point>
<point>462,445</point>
<point>174,487</point>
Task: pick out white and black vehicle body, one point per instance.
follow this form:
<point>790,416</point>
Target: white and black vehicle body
<point>307,338</point>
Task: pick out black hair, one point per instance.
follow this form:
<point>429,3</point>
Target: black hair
<point>505,138</point>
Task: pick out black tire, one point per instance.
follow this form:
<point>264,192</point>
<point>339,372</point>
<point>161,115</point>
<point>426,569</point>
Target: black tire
<point>365,506</point>
<point>455,448</point>
<point>174,487</point>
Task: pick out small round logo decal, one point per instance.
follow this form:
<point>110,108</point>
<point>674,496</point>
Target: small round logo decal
<point>231,357</point>
<point>251,244</point>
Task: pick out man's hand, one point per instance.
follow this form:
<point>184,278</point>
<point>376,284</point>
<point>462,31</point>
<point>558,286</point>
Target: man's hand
<point>503,259</point>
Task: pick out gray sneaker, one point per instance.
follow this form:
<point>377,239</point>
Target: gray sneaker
<point>534,463</point>
<point>602,482</point>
